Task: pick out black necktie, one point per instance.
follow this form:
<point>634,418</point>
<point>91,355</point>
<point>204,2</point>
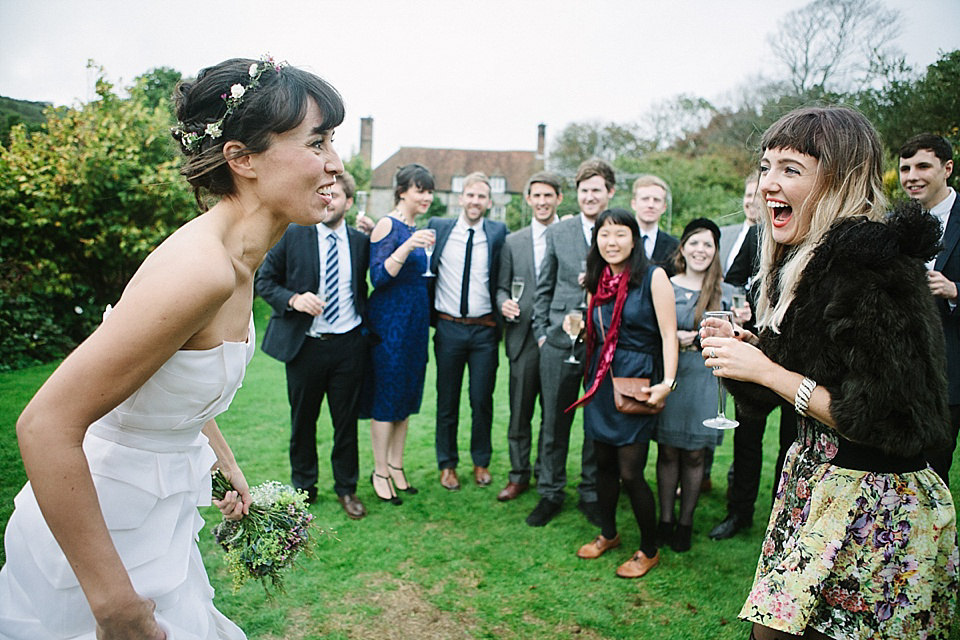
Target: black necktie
<point>465,285</point>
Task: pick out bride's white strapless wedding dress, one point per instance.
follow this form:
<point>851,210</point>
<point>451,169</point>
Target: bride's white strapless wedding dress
<point>151,467</point>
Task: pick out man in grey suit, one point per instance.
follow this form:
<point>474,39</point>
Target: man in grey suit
<point>559,291</point>
<point>520,261</point>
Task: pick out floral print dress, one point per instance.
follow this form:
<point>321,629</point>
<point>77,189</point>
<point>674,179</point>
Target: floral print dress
<point>844,549</point>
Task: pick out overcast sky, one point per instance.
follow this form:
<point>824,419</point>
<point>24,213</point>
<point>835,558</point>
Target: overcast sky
<point>479,74</point>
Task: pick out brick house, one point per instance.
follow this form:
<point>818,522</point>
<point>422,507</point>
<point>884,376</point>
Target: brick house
<point>508,172</point>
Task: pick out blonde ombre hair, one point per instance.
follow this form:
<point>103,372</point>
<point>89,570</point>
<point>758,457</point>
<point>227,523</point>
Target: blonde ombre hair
<point>849,183</point>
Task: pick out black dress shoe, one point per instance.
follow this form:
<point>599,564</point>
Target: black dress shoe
<point>591,510</point>
<point>311,494</point>
<point>730,527</point>
<point>544,512</point>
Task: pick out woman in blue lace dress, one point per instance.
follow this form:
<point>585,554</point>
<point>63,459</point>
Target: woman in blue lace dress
<point>399,313</point>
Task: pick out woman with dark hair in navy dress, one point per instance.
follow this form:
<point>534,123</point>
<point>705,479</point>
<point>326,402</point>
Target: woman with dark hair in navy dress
<point>399,313</point>
<point>631,332</point>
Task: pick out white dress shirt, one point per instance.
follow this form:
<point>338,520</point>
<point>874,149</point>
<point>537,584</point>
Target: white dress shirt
<point>587,228</point>
<point>539,232</point>
<point>735,249</point>
<point>450,272</point>
<point>347,318</point>
<point>649,240</point>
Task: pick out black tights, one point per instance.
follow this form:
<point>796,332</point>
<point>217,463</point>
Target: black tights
<point>686,468</point>
<point>626,463</point>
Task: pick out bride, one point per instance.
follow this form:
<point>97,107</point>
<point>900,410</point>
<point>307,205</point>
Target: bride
<point>118,444</point>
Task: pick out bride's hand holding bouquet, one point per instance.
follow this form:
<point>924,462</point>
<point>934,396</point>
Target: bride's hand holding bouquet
<point>264,528</point>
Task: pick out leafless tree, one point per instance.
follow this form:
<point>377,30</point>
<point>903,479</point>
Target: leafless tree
<point>835,45</point>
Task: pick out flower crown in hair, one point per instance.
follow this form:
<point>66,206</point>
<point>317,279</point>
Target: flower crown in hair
<point>191,141</point>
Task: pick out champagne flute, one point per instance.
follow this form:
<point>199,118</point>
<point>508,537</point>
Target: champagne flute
<point>429,251</point>
<point>516,290</point>
<point>739,305</point>
<point>574,324</point>
<point>361,201</point>
<point>720,421</point>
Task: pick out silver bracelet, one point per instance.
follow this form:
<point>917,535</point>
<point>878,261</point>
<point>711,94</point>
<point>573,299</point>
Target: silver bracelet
<point>802,399</point>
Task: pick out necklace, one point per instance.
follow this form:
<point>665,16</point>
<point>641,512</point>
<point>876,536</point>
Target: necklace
<point>399,216</point>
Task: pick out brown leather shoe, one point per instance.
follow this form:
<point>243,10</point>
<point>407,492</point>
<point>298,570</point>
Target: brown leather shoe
<point>512,490</point>
<point>449,480</point>
<point>638,565</point>
<point>482,476</point>
<point>352,505</point>
<point>598,547</point>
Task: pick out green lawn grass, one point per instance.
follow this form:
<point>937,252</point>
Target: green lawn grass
<point>454,565</point>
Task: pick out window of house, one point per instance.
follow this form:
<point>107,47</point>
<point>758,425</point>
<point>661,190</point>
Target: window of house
<point>498,184</point>
<point>456,184</point>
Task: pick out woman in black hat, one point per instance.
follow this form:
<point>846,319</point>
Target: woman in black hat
<point>682,439</point>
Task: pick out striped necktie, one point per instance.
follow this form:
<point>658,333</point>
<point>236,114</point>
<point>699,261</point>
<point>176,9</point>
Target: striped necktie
<point>332,283</point>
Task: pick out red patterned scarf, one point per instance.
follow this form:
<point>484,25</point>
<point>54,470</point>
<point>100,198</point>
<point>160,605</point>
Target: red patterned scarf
<point>611,287</point>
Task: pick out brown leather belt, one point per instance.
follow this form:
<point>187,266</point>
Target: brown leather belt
<point>483,321</point>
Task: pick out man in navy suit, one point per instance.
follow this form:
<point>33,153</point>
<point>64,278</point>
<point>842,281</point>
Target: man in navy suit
<point>466,260</point>
<point>926,162</point>
<point>520,260</point>
<point>650,198</point>
<point>315,280</point>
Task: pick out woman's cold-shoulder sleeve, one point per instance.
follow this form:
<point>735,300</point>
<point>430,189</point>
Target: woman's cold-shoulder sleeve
<point>379,252</point>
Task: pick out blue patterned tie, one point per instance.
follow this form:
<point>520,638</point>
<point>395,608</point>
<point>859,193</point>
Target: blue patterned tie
<point>332,283</point>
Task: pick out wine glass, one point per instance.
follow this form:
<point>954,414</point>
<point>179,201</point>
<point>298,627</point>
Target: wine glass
<point>574,324</point>
<point>720,421</point>
<point>739,305</point>
<point>516,290</point>
<point>429,251</point>
<point>360,199</point>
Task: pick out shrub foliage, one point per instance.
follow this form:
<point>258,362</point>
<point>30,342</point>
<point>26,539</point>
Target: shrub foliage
<point>82,202</point>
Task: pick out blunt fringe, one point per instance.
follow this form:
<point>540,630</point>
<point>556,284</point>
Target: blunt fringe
<point>849,183</point>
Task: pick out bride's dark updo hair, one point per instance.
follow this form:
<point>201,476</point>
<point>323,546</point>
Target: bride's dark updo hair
<point>277,103</point>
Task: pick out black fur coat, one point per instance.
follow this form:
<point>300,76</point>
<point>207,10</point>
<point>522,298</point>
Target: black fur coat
<point>864,326</point>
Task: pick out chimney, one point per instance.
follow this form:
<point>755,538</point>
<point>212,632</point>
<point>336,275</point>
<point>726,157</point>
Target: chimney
<point>366,140</point>
<point>541,140</point>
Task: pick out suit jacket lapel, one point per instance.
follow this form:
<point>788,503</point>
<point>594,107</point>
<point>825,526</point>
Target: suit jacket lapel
<point>443,227</point>
<point>354,265</point>
<point>950,235</point>
<point>312,238</point>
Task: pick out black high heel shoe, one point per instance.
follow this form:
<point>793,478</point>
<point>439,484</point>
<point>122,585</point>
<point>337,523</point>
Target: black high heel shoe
<point>412,490</point>
<point>393,499</point>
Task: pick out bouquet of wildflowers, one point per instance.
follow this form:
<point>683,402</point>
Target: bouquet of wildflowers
<point>269,538</point>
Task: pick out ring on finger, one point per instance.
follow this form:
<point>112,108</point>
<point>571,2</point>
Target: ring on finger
<point>713,352</point>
